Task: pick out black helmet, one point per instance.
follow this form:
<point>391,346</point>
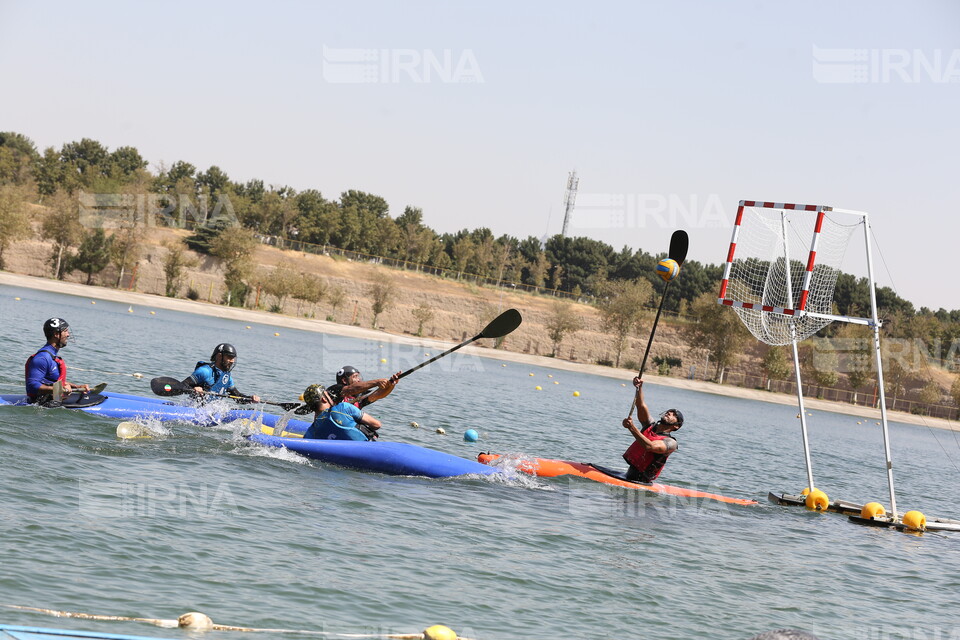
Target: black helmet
<point>227,350</point>
<point>677,413</point>
<point>344,373</point>
<point>54,325</point>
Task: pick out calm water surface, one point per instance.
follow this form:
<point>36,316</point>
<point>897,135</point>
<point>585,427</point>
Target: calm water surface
<point>265,539</point>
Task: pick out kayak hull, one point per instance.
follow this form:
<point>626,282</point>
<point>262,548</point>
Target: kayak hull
<point>129,407</point>
<point>392,458</point>
<point>547,468</point>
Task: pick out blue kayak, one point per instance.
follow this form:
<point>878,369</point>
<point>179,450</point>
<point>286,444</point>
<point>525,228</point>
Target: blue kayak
<point>393,458</point>
<point>130,407</point>
<point>13,632</point>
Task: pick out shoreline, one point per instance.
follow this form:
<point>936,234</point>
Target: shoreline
<point>350,331</point>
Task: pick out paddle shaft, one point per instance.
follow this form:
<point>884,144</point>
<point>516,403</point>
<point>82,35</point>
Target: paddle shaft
<point>178,388</point>
<point>643,363</point>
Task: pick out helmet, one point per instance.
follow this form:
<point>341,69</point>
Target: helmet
<point>228,350</point>
<point>677,413</point>
<point>344,374</point>
<point>313,394</point>
<point>54,325</point>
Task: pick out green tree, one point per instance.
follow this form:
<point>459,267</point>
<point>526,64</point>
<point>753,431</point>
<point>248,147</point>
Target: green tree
<point>716,330</point>
<point>280,283</point>
<point>563,320</point>
<point>955,392</point>
<point>14,219</point>
<point>336,296</point>
<point>931,393</point>
<point>18,158</point>
<point>382,291</point>
<point>821,364</point>
<point>93,256</point>
<point>125,250</point>
<point>61,225</point>
<point>423,314</point>
<point>49,172</point>
<point>775,364</point>
<point>175,264</point>
<point>622,306</point>
<point>310,288</point>
<point>365,202</point>
<point>234,248</point>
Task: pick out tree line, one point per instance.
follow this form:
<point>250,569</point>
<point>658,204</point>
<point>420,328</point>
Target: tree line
<point>621,284</point>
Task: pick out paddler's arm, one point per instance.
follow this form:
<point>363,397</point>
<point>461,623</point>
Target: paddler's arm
<point>384,387</point>
<point>370,421</point>
<point>655,446</point>
<point>643,411</point>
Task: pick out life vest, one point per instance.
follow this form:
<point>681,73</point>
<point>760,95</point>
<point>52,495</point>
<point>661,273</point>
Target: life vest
<point>339,422</point>
<point>61,367</point>
<point>222,380</point>
<point>648,463</point>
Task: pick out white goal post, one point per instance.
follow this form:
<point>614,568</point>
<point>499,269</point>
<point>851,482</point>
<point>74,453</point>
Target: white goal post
<point>780,276</point>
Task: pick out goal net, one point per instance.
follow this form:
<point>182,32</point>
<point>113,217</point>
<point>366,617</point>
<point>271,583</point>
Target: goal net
<point>782,268</point>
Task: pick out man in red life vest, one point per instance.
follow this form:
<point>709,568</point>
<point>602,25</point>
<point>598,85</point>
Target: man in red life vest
<point>649,453</point>
<point>46,367</point>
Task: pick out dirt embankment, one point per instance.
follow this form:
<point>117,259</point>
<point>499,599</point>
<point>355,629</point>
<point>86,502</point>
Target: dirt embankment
<point>459,309</point>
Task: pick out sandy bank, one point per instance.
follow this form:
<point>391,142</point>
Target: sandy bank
<point>333,328</point>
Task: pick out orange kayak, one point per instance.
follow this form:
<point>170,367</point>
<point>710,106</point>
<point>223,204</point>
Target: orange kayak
<point>546,468</point>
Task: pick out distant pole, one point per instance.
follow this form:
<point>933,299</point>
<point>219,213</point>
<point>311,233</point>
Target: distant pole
<point>569,200</point>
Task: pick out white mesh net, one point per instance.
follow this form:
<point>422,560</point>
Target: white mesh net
<point>768,241</point>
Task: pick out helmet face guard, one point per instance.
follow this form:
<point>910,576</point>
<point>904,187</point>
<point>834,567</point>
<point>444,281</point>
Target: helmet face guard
<point>227,351</point>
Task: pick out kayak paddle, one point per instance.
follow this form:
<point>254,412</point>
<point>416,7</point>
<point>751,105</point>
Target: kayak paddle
<point>164,386</point>
<point>679,242</point>
<point>500,326</point>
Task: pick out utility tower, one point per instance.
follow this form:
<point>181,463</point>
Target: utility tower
<point>569,200</point>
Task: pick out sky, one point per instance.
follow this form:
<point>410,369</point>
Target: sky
<point>670,112</point>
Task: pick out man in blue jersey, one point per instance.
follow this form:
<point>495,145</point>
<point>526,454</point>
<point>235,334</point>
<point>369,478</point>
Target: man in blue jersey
<point>214,376</point>
<point>45,368</point>
<point>337,420</point>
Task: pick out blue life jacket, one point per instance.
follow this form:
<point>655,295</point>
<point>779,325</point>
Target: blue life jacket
<point>43,367</point>
<point>339,422</point>
<point>211,378</point>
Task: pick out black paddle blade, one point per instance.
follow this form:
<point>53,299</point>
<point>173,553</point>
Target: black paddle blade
<point>163,386</point>
<point>679,242</point>
<point>502,324</point>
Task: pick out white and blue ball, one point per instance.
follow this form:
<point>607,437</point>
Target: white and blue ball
<point>667,269</point>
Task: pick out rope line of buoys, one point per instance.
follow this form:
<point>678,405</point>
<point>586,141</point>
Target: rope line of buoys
<point>108,373</point>
<point>196,621</point>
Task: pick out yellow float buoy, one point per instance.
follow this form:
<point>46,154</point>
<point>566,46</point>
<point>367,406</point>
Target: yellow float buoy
<point>17,299</point>
<point>129,309</point>
<point>915,521</point>
<point>538,388</point>
<point>439,632</point>
<point>531,374</point>
<point>871,510</point>
<point>276,333</point>
<point>555,382</point>
<point>549,375</point>
<point>93,302</point>
<point>576,394</point>
<point>805,492</point>
<point>503,365</point>
<point>383,360</point>
<point>153,313</point>
<point>817,500</point>
<point>248,327</point>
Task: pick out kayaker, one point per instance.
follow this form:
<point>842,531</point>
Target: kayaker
<point>337,420</point>
<point>46,367</point>
<point>652,446</point>
<point>351,386</point>
<point>214,376</point>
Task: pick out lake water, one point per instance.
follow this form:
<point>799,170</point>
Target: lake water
<point>263,538</point>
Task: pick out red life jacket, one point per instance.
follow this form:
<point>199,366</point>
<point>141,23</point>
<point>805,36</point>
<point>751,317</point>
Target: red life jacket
<point>61,367</point>
<point>648,463</point>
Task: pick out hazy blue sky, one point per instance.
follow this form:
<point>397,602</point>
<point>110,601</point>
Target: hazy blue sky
<point>671,112</point>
